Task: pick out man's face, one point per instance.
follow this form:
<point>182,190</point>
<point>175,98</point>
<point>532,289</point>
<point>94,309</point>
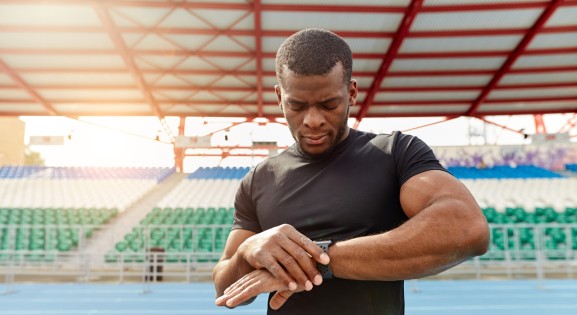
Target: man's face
<point>316,108</point>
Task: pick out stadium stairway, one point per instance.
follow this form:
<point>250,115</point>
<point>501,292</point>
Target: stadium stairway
<point>124,222</point>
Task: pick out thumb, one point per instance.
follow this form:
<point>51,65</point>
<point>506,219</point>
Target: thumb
<point>279,298</point>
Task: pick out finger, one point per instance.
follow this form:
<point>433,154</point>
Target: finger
<point>236,284</point>
<point>235,289</point>
<point>239,296</point>
<point>306,243</point>
<point>311,248</point>
<point>300,264</point>
<point>261,283</point>
<point>291,261</point>
<point>279,299</point>
<point>279,272</point>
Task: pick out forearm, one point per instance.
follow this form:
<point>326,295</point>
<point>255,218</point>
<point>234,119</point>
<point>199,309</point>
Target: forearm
<point>436,239</point>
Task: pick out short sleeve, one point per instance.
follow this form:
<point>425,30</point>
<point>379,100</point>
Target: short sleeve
<point>245,216</point>
<point>413,156</point>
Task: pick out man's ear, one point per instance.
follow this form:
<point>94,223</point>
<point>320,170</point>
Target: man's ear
<point>353,92</point>
<point>277,91</point>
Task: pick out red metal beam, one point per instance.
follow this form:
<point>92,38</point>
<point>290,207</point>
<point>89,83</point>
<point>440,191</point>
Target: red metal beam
<point>482,118</point>
<point>216,89</point>
<point>116,38</point>
<point>25,86</point>
<point>257,14</point>
<point>422,73</point>
<point>404,27</point>
<point>279,33</point>
<point>526,111</point>
<point>114,102</point>
<point>242,54</point>
<point>570,124</point>
<point>292,7</point>
<point>539,124</point>
<point>445,119</point>
<point>520,49</point>
<point>530,111</point>
<point>296,7</point>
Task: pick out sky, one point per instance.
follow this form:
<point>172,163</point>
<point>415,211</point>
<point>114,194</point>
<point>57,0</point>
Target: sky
<point>131,141</point>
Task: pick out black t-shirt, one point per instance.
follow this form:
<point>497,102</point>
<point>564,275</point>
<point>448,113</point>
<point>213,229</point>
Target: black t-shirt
<point>352,191</point>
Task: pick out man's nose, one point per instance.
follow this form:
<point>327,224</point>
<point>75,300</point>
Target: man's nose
<point>314,118</point>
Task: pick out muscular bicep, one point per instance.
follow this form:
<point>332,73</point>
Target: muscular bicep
<point>235,239</point>
<point>426,188</point>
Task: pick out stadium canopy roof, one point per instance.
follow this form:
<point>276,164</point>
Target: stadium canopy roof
<point>216,58</point>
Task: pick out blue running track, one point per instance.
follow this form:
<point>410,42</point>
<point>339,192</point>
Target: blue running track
<point>494,297</point>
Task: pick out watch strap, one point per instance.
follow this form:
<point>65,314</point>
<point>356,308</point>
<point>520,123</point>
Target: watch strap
<point>325,270</point>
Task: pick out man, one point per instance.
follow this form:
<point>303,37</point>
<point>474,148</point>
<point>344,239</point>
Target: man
<point>389,209</point>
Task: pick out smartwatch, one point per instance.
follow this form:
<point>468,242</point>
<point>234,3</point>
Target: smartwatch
<point>325,270</point>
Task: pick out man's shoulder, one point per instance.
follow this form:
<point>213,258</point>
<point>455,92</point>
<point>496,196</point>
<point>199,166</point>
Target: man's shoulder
<point>286,157</point>
<point>383,141</point>
<point>390,136</point>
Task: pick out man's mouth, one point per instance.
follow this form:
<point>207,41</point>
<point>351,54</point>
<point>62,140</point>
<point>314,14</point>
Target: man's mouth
<point>315,139</point>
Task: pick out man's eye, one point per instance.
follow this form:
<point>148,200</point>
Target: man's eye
<point>331,105</point>
<point>296,107</point>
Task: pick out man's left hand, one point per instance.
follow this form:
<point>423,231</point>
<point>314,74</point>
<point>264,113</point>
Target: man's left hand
<point>253,284</point>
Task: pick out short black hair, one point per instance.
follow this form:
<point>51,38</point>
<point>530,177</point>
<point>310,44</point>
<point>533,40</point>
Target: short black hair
<point>314,51</point>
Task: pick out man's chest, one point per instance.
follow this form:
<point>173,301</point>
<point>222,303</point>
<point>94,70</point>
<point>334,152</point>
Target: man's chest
<point>331,202</point>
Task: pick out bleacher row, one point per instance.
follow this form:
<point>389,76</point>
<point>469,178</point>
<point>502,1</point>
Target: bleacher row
<point>531,210</point>
<point>177,230</point>
<point>46,231</point>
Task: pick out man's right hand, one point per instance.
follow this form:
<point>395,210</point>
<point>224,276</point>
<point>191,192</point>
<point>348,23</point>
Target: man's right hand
<point>286,254</point>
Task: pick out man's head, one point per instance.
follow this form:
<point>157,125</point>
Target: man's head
<point>313,52</point>
<point>315,88</point>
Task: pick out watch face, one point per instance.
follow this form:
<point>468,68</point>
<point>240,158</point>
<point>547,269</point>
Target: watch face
<point>325,243</point>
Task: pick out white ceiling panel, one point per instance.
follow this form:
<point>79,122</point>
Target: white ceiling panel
<point>446,21</point>
<point>224,19</point>
<point>553,77</point>
<point>331,20</point>
<point>182,18</point>
<point>564,17</point>
<point>402,3</point>
<point>532,93</point>
<point>527,107</point>
<point>554,40</point>
<point>363,82</point>
<point>369,45</point>
<point>82,78</point>
<point>6,79</point>
<point>21,109</point>
<point>103,109</point>
<point>72,61</point>
<point>225,43</point>
<point>14,93</point>
<point>479,80</point>
<point>468,2</point>
<point>416,65</point>
<point>134,16</point>
<point>423,96</point>
<point>45,14</point>
<point>366,65</point>
<point>541,61</point>
<point>444,44</point>
<point>416,110</point>
<point>90,94</point>
<point>45,40</point>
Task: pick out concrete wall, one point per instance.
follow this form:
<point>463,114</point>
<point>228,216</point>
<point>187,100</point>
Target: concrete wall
<point>11,141</point>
